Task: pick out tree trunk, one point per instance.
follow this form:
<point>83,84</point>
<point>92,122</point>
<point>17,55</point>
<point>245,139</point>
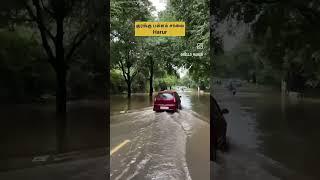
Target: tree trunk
<point>151,79</point>
<point>61,110</point>
<point>151,85</point>
<point>254,78</point>
<point>61,94</point>
<point>129,87</point>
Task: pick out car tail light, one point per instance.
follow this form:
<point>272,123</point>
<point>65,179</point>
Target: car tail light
<point>174,100</point>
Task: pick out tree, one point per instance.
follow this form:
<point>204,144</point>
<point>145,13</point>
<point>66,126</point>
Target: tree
<point>151,73</point>
<point>127,52</point>
<point>63,25</point>
<point>24,74</point>
<point>283,34</point>
<point>197,31</point>
<point>161,58</point>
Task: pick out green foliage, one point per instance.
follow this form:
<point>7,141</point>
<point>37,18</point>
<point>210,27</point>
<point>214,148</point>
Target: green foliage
<point>23,70</point>
<point>166,82</point>
<point>187,81</point>
<point>196,15</point>
<point>127,51</point>
<point>284,38</point>
<point>29,67</point>
<point>117,84</point>
<point>141,58</point>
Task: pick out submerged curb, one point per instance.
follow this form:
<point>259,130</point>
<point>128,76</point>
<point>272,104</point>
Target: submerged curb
<point>29,162</point>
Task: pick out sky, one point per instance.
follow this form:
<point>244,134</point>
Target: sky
<point>182,72</point>
<point>160,5</point>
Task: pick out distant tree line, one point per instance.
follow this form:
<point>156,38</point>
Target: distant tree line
<point>280,46</point>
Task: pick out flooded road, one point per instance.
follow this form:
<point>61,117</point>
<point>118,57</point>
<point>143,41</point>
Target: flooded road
<point>271,136</point>
<point>150,145</point>
<point>190,100</point>
<point>30,129</point>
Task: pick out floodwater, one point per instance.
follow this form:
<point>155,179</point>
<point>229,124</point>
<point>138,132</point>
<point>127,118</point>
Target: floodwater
<point>160,145</point>
<point>190,100</point>
<point>30,129</point>
<point>271,136</point>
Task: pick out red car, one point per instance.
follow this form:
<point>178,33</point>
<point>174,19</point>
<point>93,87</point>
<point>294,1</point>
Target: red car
<point>167,101</point>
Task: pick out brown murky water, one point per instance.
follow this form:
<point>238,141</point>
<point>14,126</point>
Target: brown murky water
<point>190,100</point>
<point>161,145</point>
<point>30,129</point>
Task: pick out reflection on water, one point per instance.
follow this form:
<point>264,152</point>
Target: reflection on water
<point>290,131</point>
<point>120,103</point>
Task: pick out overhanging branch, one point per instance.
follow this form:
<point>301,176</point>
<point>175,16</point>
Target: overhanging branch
<point>47,9</point>
<point>134,74</point>
<point>78,39</point>
<point>37,16</point>
<point>123,70</point>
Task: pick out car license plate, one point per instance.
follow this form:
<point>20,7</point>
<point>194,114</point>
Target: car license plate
<point>163,107</point>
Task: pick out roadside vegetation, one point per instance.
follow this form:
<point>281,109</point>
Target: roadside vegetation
<point>147,64</point>
<point>51,51</point>
<point>274,42</point>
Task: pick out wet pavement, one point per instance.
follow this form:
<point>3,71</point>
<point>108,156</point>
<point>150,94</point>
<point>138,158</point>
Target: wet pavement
<point>270,136</point>
<point>160,145</point>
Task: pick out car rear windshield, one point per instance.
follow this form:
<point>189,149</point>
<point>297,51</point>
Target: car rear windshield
<point>165,96</point>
